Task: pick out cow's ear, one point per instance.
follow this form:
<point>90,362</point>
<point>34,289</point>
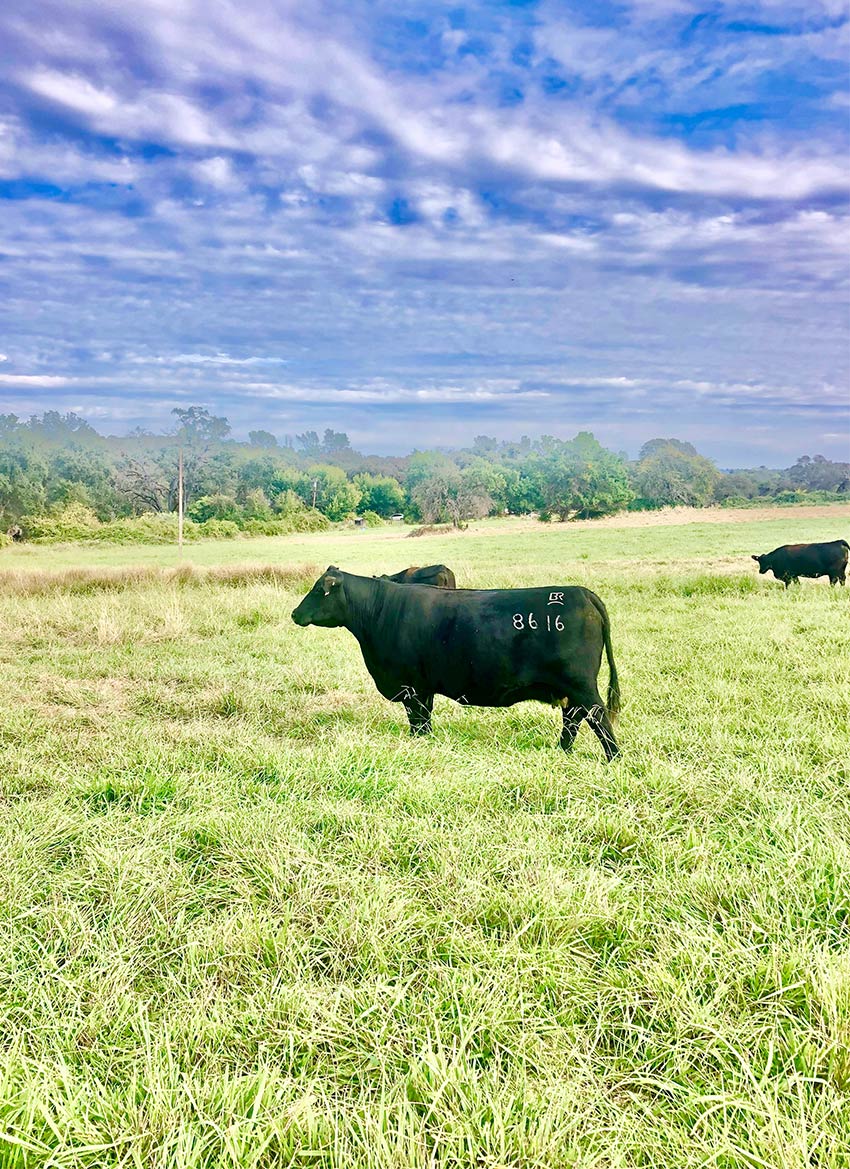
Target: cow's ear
<point>328,582</point>
<point>757,559</point>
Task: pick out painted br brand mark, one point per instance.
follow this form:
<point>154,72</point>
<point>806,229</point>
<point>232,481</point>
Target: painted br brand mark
<point>555,599</point>
<point>529,621</point>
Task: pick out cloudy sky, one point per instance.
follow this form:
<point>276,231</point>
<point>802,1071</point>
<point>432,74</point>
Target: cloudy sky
<point>419,223</point>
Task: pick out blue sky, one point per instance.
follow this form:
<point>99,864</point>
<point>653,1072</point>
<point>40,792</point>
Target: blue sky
<point>422,223</point>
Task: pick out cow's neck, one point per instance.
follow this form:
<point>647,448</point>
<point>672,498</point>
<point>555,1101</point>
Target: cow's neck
<point>364,601</point>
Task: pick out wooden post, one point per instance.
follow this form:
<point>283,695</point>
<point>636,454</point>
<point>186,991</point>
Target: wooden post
<point>180,502</point>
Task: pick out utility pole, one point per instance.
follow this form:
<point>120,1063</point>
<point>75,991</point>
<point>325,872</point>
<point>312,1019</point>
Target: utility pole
<point>180,502</point>
<point>315,490</point>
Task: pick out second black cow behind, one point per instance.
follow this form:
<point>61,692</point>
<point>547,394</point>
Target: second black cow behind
<point>437,575</point>
<point>481,647</point>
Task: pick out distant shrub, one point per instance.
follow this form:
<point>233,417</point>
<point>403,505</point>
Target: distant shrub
<point>79,523</point>
<point>215,507</point>
<point>305,520</point>
<point>257,506</point>
<point>149,528</point>
<point>372,519</point>
<point>219,529</point>
<point>790,497</point>
<point>74,522</point>
<point>432,530</point>
<point>287,502</point>
<point>266,527</point>
<point>308,520</point>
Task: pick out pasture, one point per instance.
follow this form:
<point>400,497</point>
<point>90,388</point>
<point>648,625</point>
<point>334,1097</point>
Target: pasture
<point>248,921</point>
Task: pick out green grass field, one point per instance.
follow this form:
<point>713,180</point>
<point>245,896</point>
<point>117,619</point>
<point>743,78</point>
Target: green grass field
<point>248,921</point>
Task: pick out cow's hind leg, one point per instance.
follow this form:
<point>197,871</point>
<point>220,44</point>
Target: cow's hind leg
<point>591,707</point>
<point>572,716</point>
<point>419,707</point>
<point>598,719</point>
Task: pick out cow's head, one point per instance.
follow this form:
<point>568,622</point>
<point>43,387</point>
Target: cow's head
<point>762,562</point>
<point>325,602</point>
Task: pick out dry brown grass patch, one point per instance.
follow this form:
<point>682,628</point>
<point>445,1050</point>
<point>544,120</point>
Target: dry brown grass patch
<point>82,581</point>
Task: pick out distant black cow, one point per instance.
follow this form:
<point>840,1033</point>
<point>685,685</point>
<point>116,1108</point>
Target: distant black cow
<point>480,647</point>
<point>435,574</point>
<point>792,561</point>
<point>16,533</point>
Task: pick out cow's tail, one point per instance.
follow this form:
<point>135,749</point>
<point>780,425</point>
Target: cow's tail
<point>613,680</point>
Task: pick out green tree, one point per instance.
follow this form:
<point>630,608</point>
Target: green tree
<point>145,481</point>
<point>270,473</point>
<point>257,506</point>
<point>215,507</point>
<point>818,473</point>
<point>207,467</point>
<point>55,428</point>
<point>198,428</point>
<point>335,441</point>
<point>287,503</point>
<point>331,492</point>
<point>309,443</point>
<point>22,484</point>
<point>486,481</point>
<point>581,479</point>
<point>446,496</point>
<point>522,490</point>
<point>672,474</point>
<point>380,493</point>
<point>422,465</point>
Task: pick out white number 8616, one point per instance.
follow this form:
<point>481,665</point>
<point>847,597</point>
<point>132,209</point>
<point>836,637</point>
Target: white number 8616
<point>519,622</point>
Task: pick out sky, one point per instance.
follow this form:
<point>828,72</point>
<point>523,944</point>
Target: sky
<point>420,223</point>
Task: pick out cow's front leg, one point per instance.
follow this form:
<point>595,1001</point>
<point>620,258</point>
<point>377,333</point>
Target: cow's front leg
<point>419,707</point>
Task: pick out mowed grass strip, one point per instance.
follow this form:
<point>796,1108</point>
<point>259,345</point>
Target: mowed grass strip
<point>246,920</point>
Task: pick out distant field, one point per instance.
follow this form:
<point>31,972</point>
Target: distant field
<point>246,920</point>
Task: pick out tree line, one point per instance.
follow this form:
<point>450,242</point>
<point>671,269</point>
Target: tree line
<point>57,465</point>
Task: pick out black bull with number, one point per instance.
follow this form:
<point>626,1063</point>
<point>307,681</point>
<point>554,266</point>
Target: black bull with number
<point>481,647</point>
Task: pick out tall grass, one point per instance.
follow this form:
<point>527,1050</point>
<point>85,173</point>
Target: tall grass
<point>78,581</point>
<point>245,920</point>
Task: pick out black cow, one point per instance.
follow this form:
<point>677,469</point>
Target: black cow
<point>792,561</point>
<point>436,575</point>
<point>481,647</point>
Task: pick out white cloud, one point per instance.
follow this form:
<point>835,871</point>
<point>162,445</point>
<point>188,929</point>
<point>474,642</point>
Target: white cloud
<point>217,172</point>
<point>69,90</point>
<point>36,379</point>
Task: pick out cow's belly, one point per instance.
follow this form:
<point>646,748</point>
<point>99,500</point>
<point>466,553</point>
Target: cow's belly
<point>495,684</point>
<point>509,696</point>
